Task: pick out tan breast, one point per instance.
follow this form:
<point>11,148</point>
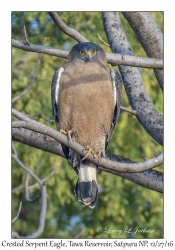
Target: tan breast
<point>86,103</point>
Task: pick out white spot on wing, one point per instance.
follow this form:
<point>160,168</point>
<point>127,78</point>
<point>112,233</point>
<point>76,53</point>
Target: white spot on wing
<point>114,86</point>
<point>57,84</point>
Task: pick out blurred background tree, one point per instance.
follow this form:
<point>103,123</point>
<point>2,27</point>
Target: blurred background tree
<point>121,203</point>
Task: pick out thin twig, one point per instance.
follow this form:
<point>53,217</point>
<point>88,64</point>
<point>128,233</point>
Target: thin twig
<point>36,184</point>
<point>15,235</point>
<point>114,59</point>
<point>27,169</point>
<point>102,40</point>
<point>118,166</point>
<point>80,233</point>
<point>19,210</point>
<point>25,35</point>
<point>41,225</point>
<point>39,166</point>
<point>26,188</point>
<point>39,115</point>
<point>27,197</point>
<point>134,112</point>
<point>31,82</point>
<point>14,149</point>
<point>43,201</point>
<point>66,29</point>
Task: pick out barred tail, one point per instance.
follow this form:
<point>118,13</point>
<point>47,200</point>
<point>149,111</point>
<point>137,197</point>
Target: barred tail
<point>86,188</point>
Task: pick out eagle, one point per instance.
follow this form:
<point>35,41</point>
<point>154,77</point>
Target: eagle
<point>86,97</point>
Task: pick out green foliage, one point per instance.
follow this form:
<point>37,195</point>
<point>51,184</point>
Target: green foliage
<point>121,203</point>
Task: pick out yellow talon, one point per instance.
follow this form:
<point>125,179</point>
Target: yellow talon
<point>63,132</point>
<point>69,133</point>
<point>90,150</point>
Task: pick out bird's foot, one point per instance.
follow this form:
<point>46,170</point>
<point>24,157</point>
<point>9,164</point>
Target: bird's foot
<point>63,132</point>
<point>69,133</point>
<point>90,150</point>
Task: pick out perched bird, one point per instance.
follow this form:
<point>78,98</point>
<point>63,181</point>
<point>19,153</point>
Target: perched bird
<point>86,98</point>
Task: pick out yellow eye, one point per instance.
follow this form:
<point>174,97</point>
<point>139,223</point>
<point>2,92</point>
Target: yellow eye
<point>81,52</point>
<point>94,52</point>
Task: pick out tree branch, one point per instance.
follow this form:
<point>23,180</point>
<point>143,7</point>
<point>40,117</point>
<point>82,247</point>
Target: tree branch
<point>134,61</point>
<point>149,35</point>
<point>102,40</point>
<point>114,59</point>
<point>134,112</point>
<point>27,169</point>
<point>14,149</point>
<point>121,167</point>
<point>39,48</point>
<point>80,233</point>
<point>67,30</point>
<point>15,235</point>
<point>43,201</point>
<point>39,115</point>
<point>147,114</point>
<point>19,210</point>
<point>42,214</point>
<point>36,184</point>
<point>31,82</point>
<point>27,191</point>
<point>25,35</point>
<point>37,140</point>
<point>151,179</point>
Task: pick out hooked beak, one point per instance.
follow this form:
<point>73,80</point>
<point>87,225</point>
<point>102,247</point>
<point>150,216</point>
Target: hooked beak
<point>88,56</point>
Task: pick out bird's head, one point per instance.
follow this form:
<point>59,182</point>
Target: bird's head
<point>88,52</point>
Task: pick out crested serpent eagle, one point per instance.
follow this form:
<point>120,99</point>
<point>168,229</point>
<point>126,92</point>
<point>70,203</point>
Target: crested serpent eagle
<point>86,98</point>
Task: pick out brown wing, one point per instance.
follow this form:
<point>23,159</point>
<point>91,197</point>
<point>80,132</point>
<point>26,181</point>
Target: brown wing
<point>55,103</point>
<point>117,90</point>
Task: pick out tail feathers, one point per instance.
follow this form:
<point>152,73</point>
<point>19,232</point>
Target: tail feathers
<point>87,193</point>
<point>87,186</point>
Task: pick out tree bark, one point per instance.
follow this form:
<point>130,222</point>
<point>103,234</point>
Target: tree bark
<point>149,35</point>
<point>113,59</point>
<point>139,100</point>
<point>151,179</point>
<point>35,126</point>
